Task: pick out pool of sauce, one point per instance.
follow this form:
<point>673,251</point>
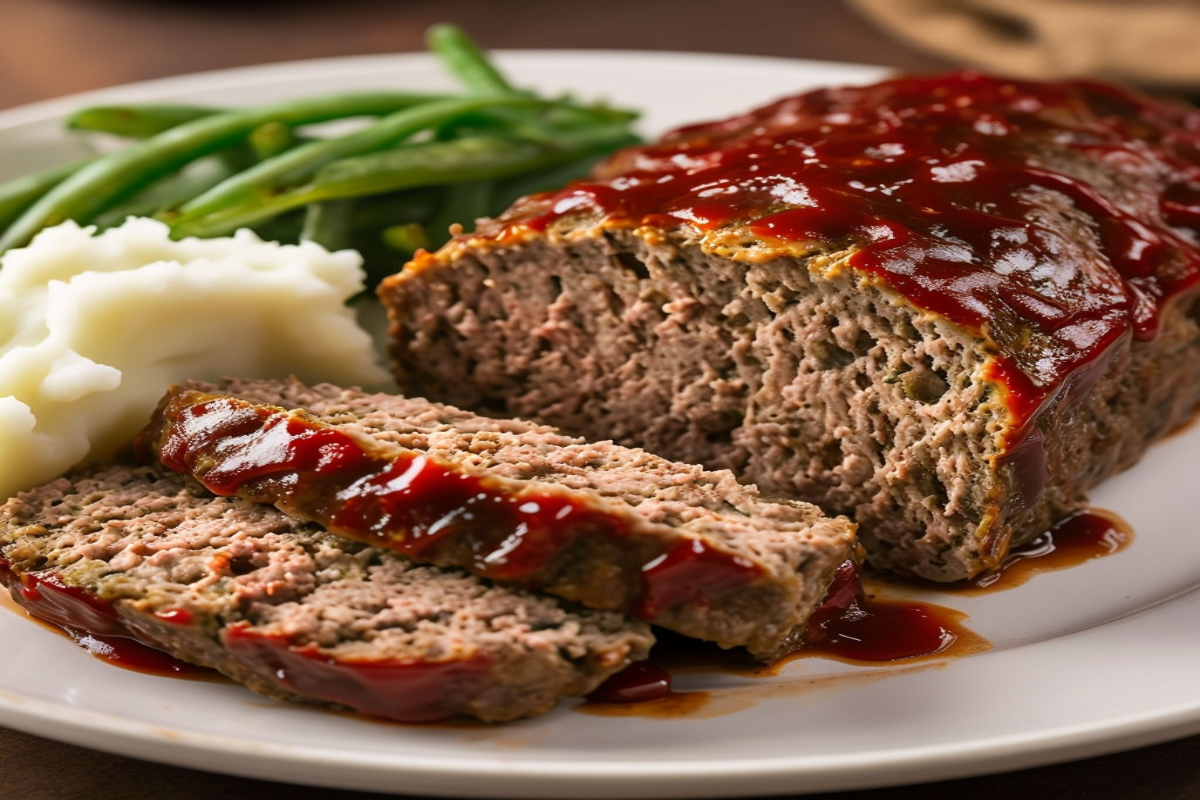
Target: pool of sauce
<point>860,627</point>
<point>850,626</point>
<point>1080,537</point>
<point>130,654</point>
<point>669,706</point>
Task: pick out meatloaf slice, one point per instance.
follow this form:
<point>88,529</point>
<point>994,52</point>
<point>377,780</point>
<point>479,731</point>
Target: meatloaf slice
<point>945,306</point>
<point>607,526</point>
<point>292,611</point>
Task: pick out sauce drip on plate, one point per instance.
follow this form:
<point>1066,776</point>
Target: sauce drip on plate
<point>92,624</point>
<point>1073,540</point>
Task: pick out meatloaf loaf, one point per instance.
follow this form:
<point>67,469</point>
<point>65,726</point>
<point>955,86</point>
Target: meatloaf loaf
<point>292,611</point>
<point>610,527</point>
<point>946,306</point>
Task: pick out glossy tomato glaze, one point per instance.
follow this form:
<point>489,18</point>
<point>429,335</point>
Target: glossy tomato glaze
<point>927,180</point>
<point>405,691</point>
<point>410,503</point>
<point>416,691</point>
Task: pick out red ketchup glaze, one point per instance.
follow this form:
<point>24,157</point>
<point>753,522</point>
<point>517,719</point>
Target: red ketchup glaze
<point>409,502</point>
<point>930,178</point>
<point>176,616</point>
<point>91,622</point>
<point>852,625</point>
<point>688,573</point>
<point>45,596</point>
<point>638,683</point>
<point>403,691</point>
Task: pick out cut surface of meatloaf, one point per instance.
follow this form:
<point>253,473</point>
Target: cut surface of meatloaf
<point>944,306</point>
<point>292,611</point>
<point>607,526</point>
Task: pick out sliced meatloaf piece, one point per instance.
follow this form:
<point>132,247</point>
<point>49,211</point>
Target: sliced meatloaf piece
<point>607,526</point>
<point>945,306</point>
<point>292,611</point>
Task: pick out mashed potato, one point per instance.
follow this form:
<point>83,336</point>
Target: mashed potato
<point>93,328</point>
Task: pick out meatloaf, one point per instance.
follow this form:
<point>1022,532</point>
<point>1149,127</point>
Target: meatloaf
<point>292,611</point>
<point>610,527</point>
<point>946,306</point>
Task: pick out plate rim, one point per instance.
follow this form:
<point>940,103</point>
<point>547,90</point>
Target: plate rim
<point>457,775</point>
<point>39,109</point>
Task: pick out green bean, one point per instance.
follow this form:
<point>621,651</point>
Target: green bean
<point>423,164</point>
<point>407,238</point>
<point>136,122</point>
<point>259,186</point>
<point>355,220</point>
<point>107,180</point>
<point>549,179</point>
<point>468,158</point>
<point>368,225</point>
<point>162,197</point>
<point>20,193</point>
<point>464,58</point>
<point>270,139</point>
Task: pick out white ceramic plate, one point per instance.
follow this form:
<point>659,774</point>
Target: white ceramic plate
<point>1089,660</point>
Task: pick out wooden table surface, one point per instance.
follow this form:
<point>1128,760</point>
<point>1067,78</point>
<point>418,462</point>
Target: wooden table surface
<point>55,47</point>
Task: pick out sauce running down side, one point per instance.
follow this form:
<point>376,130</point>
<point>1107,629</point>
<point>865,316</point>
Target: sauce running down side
<point>418,691</point>
<point>967,194</point>
<point>422,691</point>
<point>849,625</point>
<point>410,503</point>
<point>92,624</point>
<point>854,626</point>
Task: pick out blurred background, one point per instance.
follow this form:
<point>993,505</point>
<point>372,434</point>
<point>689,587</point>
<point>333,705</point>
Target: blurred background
<point>55,47</point>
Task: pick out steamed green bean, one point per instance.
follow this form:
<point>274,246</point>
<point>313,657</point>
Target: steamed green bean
<point>423,164</point>
<point>136,121</point>
<point>418,164</point>
<point>20,193</point>
<point>261,183</point>
<point>463,58</point>
<point>109,179</point>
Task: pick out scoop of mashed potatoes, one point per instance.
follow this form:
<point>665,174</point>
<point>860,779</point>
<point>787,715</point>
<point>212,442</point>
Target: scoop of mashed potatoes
<point>93,328</point>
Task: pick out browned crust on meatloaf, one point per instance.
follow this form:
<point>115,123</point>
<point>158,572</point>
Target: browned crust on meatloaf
<point>786,365</point>
<point>764,568</point>
<point>945,304</point>
<point>200,577</point>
